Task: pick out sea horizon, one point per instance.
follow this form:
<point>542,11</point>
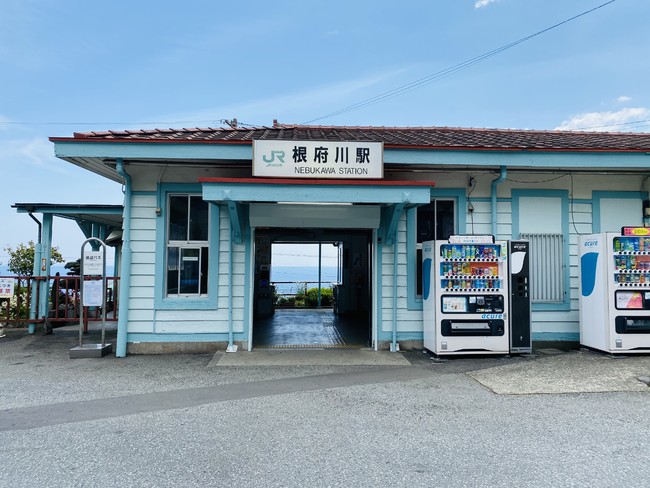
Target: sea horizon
<point>292,275</point>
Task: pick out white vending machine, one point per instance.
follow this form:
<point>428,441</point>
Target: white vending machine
<point>465,295</point>
<point>614,290</point>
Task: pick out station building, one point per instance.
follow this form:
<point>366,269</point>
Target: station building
<point>203,207</point>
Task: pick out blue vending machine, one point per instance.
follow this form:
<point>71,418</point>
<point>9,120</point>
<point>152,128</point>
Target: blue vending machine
<point>614,291</point>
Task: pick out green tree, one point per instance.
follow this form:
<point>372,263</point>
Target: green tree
<point>21,259</point>
<point>73,267</point>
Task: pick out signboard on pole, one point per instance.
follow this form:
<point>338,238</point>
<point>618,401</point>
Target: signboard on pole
<point>93,293</point>
<point>318,159</point>
<point>93,263</point>
<point>6,287</point>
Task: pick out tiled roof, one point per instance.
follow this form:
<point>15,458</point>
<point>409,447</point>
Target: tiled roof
<point>405,137</point>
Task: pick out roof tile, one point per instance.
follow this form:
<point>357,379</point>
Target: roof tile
<point>423,137</point>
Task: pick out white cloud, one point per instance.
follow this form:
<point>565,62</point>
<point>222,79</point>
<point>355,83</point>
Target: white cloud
<point>623,99</point>
<point>483,3</point>
<point>4,122</point>
<point>288,108</point>
<point>606,121</point>
<point>37,152</point>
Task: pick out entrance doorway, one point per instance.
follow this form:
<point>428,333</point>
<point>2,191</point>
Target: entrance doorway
<point>312,288</point>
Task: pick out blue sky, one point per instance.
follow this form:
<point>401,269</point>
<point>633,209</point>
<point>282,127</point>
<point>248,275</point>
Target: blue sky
<point>74,66</point>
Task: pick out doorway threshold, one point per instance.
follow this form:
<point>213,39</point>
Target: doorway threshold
<point>310,357</point>
<point>310,346</point>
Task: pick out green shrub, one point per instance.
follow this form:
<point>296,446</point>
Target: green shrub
<point>285,301</point>
<point>326,297</point>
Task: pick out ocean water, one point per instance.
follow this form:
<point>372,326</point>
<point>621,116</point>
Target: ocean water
<point>60,268</point>
<point>294,275</point>
<point>291,278</point>
<point>54,269</point>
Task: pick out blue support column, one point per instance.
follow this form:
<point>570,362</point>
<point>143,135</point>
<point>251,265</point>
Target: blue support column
<point>36,270</point>
<point>235,212</point>
<point>46,259</point>
<point>116,261</point>
<point>393,214</point>
<point>125,275</point>
<point>86,228</point>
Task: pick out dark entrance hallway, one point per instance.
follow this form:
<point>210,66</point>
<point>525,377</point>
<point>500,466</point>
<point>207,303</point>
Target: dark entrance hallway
<point>295,322</point>
<point>317,328</point>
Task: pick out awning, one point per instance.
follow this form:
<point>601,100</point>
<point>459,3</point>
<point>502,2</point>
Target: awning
<point>108,218</point>
<point>391,196</point>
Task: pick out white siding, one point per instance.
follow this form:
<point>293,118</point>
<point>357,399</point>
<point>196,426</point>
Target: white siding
<point>143,254</point>
<point>407,320</point>
<point>143,318</point>
<point>142,315</point>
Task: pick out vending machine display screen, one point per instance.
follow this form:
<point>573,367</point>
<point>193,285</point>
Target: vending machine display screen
<point>454,304</point>
<point>472,304</point>
<point>632,300</point>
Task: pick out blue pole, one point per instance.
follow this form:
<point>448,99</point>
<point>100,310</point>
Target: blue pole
<point>393,346</point>
<point>125,268</point>
<point>230,284</point>
<point>320,262</point>
<point>36,271</point>
<point>46,259</point>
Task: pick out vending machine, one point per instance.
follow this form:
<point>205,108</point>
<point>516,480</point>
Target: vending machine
<point>465,295</point>
<point>614,291</point>
<point>520,318</point>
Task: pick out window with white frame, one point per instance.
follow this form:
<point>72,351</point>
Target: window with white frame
<point>187,245</point>
<point>436,220</point>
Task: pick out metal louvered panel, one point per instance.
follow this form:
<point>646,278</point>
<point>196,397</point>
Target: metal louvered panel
<point>546,267</point>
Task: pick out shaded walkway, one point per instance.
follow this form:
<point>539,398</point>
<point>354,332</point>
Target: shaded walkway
<point>311,328</point>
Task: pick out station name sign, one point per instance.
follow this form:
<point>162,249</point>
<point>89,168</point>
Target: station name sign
<point>318,159</point>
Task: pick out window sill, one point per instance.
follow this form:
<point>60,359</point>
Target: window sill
<point>186,303</point>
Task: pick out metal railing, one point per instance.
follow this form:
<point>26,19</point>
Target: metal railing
<point>297,290</point>
<point>16,309</point>
<point>63,302</point>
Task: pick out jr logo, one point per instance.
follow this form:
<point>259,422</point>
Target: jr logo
<point>279,155</point>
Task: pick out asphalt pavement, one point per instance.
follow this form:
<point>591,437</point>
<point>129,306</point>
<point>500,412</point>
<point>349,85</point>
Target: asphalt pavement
<point>558,417</point>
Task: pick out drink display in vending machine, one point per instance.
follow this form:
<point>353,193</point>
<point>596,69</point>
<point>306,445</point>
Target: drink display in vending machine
<point>615,291</point>
<point>465,292</point>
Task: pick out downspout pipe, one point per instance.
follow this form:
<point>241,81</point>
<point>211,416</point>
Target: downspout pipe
<point>394,346</point>
<point>125,265</point>
<point>502,177</point>
<point>40,226</point>
<point>231,345</point>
